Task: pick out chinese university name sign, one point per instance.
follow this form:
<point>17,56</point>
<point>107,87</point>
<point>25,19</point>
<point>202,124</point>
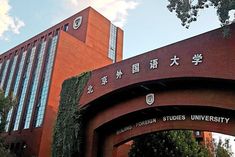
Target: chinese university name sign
<point>196,59</point>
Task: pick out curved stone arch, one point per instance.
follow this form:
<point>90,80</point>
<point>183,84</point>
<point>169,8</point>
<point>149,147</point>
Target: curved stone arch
<point>109,116</point>
<point>118,90</point>
<point>117,140</point>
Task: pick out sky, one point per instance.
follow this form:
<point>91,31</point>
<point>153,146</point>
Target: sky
<point>148,22</point>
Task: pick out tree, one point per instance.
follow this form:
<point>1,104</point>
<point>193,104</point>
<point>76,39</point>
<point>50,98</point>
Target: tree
<point>187,10</point>
<point>6,103</point>
<point>223,148</point>
<point>167,144</point>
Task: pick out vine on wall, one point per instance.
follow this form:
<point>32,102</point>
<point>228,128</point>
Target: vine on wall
<point>68,130</point>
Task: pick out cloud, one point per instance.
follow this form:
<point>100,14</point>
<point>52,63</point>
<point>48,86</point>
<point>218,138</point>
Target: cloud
<point>7,22</point>
<point>115,10</point>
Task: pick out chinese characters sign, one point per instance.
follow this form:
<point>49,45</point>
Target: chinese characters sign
<point>153,64</point>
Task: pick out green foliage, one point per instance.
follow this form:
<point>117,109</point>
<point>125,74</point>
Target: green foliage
<point>5,152</point>
<point>187,10</point>
<point>223,149</point>
<point>167,144</point>
<point>68,131</point>
<point>6,103</point>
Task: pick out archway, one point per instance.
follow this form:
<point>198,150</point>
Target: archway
<point>192,82</point>
<point>200,104</point>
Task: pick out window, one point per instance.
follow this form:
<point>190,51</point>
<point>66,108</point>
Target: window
<point>4,74</point>
<point>8,119</point>
<point>24,89</point>
<point>42,38</point>
<point>112,43</point>
<point>28,46</point>
<point>0,67</point>
<point>34,88</point>
<point>34,43</point>
<point>57,31</point>
<point>66,27</point>
<point>18,76</point>
<point>50,34</point>
<point>46,83</point>
<point>11,76</point>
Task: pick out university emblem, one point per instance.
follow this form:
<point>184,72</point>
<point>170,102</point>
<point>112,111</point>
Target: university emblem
<point>149,99</point>
<point>77,22</point>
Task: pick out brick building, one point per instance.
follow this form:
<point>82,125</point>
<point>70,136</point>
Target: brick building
<point>35,69</point>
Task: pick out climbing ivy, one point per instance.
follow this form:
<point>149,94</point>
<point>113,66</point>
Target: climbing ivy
<point>68,130</point>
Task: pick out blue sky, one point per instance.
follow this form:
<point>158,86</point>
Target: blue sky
<point>144,21</point>
<point>147,22</point>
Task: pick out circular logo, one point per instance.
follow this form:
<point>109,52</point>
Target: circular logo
<point>149,99</point>
<point>77,22</point>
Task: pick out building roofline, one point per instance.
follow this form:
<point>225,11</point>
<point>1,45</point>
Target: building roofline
<point>45,32</point>
<point>183,40</point>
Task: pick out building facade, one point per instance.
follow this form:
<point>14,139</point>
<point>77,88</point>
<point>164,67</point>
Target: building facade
<point>34,71</point>
<point>185,85</point>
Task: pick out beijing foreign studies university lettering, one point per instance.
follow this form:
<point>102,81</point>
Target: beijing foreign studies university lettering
<point>198,118</point>
<point>206,118</point>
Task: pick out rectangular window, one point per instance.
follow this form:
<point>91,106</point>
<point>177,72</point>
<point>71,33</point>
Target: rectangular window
<point>8,119</point>
<point>0,67</point>
<point>42,38</point>
<point>4,74</point>
<point>66,27</point>
<point>18,76</point>
<point>50,34</point>
<point>11,76</point>
<point>112,43</point>
<point>34,43</point>
<point>35,85</point>
<point>24,90</point>
<point>28,46</point>
<point>46,83</point>
<point>8,89</point>
<point>57,31</point>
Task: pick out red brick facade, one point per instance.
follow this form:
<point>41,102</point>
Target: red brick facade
<point>77,50</point>
<point>184,86</point>
<point>195,94</point>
